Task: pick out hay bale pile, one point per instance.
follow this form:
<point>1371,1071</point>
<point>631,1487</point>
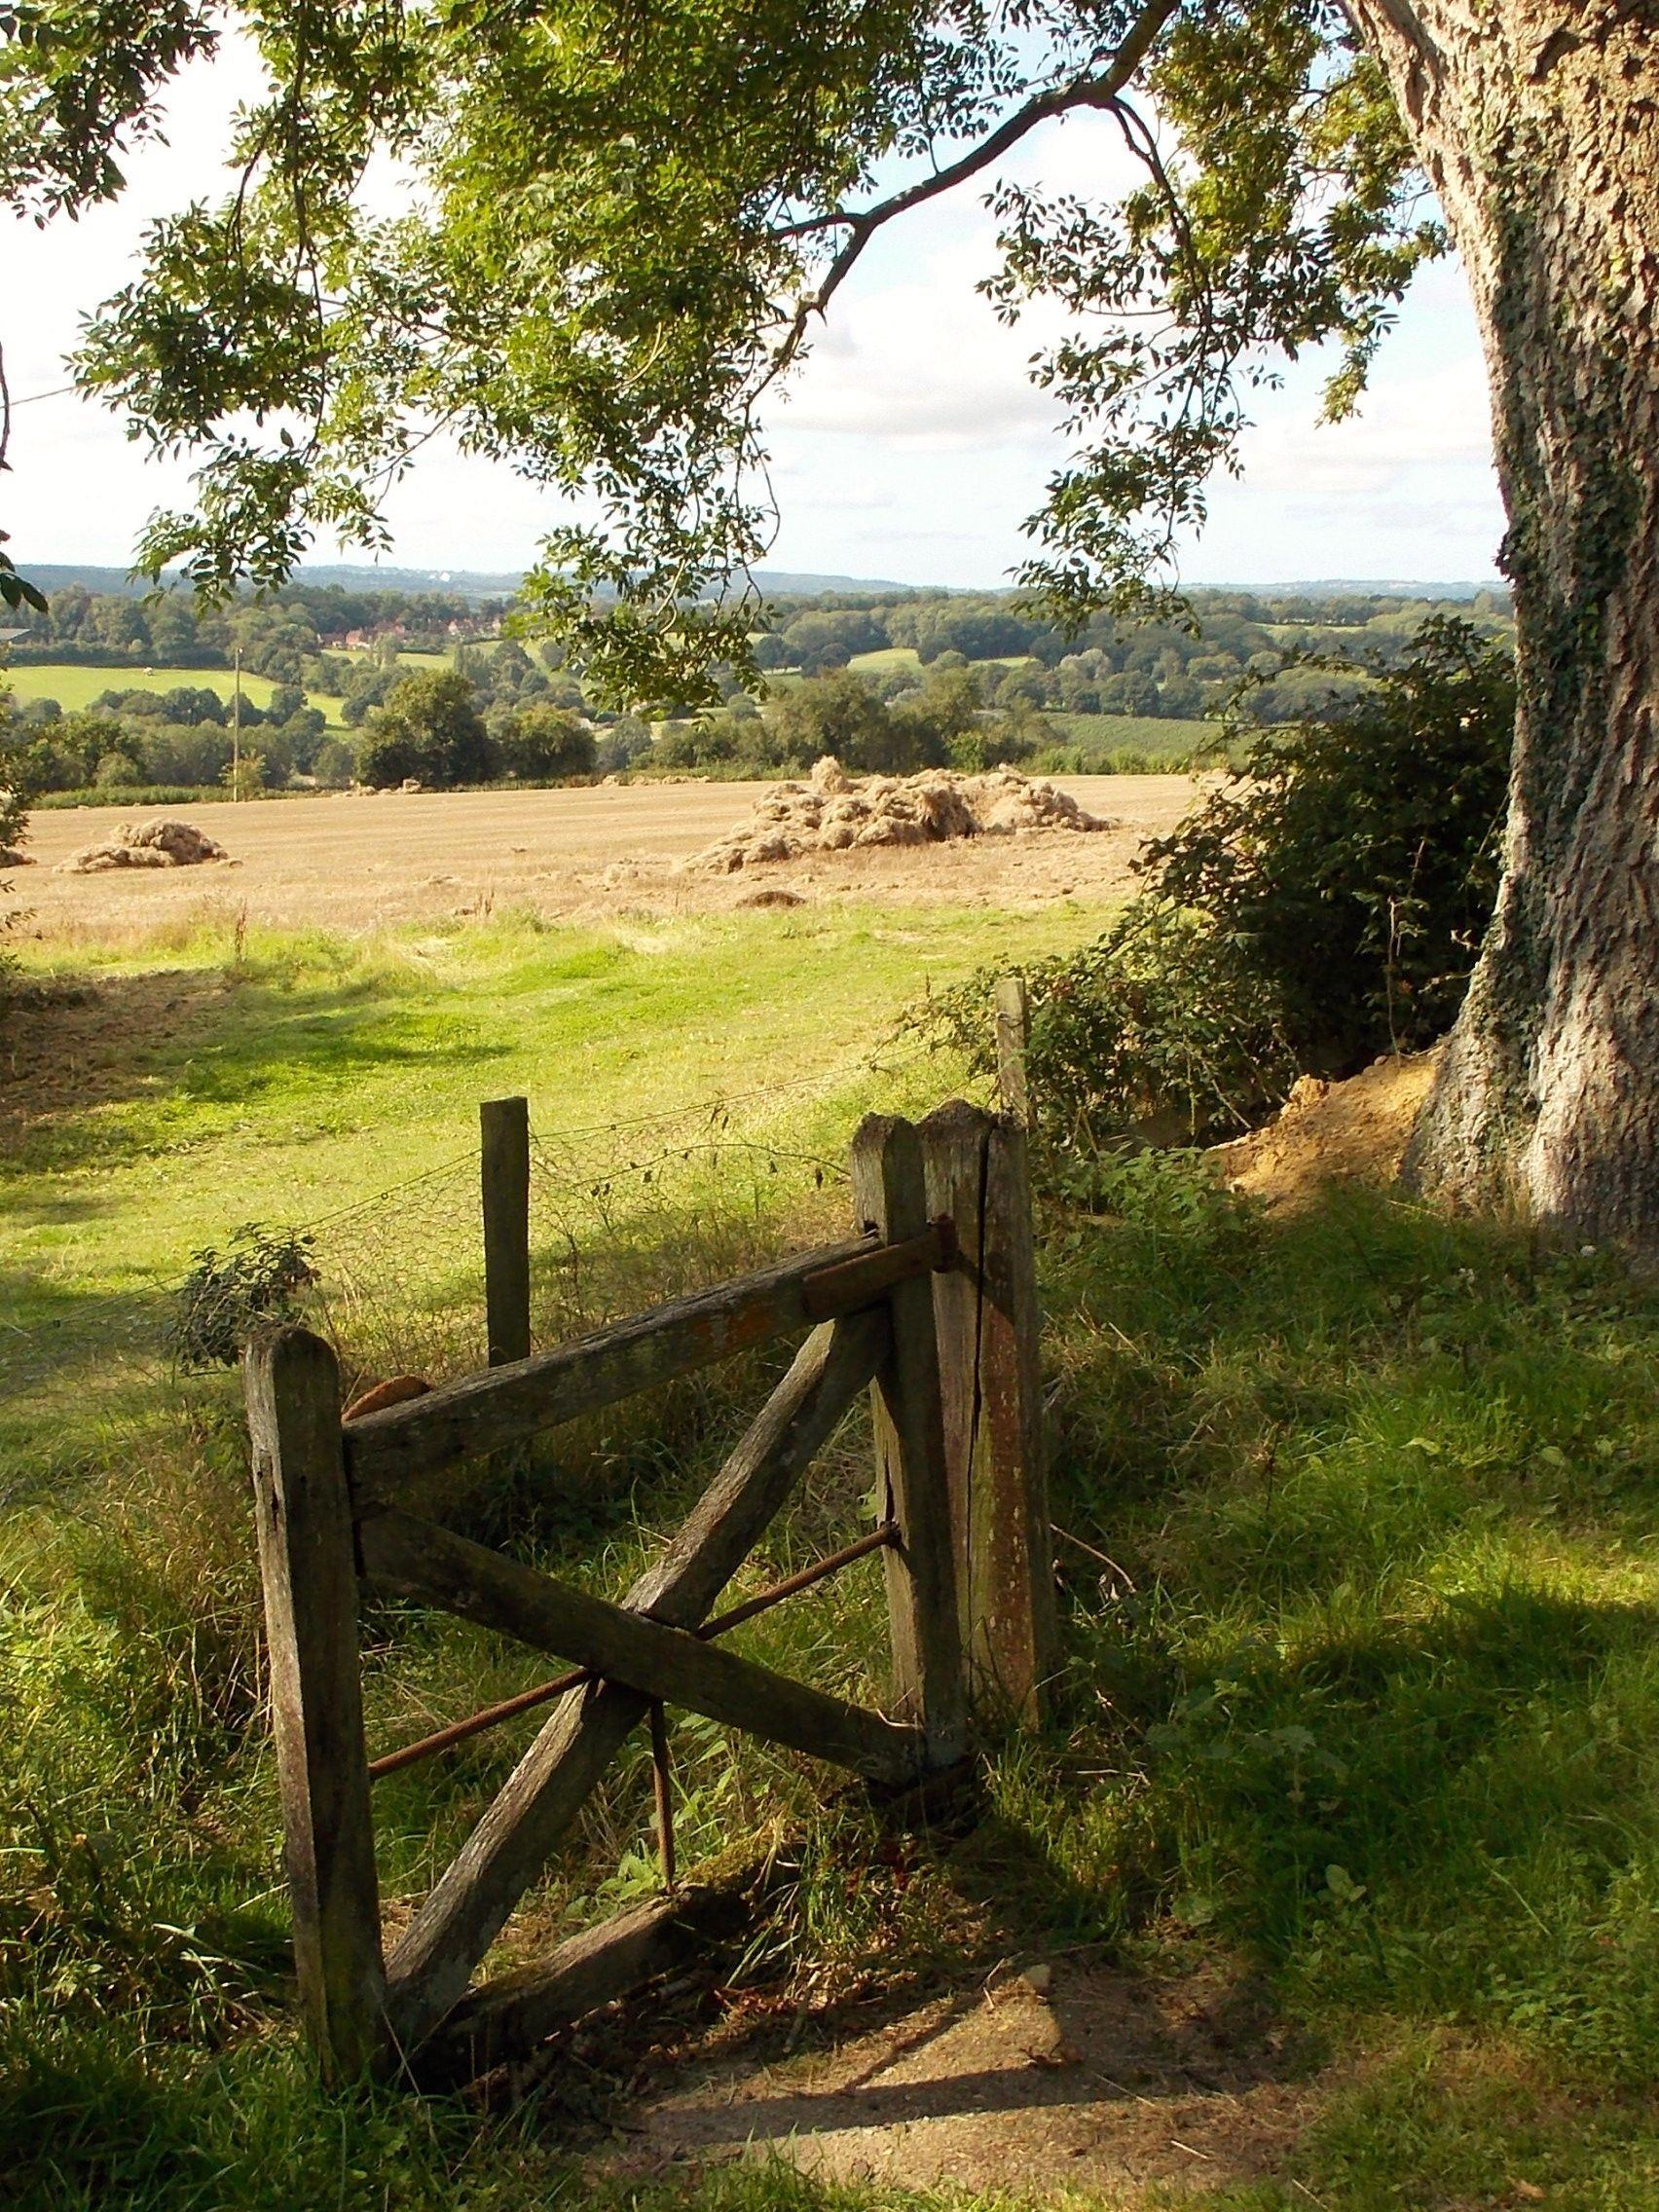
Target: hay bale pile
<point>145,844</point>
<point>833,812</point>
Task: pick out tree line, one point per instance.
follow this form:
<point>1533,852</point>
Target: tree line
<point>274,634</point>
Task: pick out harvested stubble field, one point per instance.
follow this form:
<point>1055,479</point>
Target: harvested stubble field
<point>358,862</point>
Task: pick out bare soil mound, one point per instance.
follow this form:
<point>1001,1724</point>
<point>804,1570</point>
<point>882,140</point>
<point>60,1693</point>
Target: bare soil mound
<point>1333,1133</point>
<point>833,812</point>
<point>145,844</point>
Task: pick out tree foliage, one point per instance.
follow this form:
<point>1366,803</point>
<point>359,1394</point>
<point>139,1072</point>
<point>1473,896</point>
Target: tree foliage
<point>1323,906</point>
<point>1354,860</point>
<point>429,731</point>
<point>623,224</point>
<point>544,744</point>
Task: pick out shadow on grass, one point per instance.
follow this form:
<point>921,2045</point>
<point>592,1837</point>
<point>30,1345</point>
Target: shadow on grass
<point>106,1072</point>
<point>75,1367</point>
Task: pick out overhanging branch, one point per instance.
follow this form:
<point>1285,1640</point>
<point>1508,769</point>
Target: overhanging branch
<point>1100,90</point>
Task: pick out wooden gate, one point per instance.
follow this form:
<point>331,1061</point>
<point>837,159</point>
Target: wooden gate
<point>932,1308</point>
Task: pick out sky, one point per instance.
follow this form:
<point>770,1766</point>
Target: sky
<point>911,446</point>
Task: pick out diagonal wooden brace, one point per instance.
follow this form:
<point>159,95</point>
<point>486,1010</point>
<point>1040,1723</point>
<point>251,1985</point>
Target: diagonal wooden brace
<point>503,1406</point>
<point>432,1964</point>
<point>405,1556</point>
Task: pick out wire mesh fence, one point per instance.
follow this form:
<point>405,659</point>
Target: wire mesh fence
<point>621,1214</point>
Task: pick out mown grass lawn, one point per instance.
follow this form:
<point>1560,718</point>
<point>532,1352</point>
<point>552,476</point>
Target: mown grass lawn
<point>1364,1710</point>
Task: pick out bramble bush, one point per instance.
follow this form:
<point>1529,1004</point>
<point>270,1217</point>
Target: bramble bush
<point>1324,905</point>
<point>255,1282</point>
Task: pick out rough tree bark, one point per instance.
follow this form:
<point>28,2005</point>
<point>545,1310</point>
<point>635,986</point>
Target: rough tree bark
<point>1539,127</point>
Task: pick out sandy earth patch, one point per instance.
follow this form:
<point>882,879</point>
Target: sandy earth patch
<point>1333,1133</point>
<point>356,863</point>
<point>1067,2076</point>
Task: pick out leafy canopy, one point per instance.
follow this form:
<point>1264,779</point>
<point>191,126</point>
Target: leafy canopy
<point>617,223</point>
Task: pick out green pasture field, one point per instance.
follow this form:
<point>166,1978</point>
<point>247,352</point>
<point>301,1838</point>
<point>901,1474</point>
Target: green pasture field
<point>1356,1741</point>
<point>75,688</point>
<point>405,658</point>
<point>1138,733</point>
<point>295,1073</point>
<point>888,657</point>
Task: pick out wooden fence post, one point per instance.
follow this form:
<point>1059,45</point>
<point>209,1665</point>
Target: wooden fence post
<point>307,1565</point>
<point>930,1686</point>
<point>503,1127</point>
<point>1013,1032</point>
<point>990,1357</point>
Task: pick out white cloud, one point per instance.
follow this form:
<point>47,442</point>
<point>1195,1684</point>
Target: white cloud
<point>912,442</point>
<point>1437,420</point>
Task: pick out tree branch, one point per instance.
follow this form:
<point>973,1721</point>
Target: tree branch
<point>1100,91</point>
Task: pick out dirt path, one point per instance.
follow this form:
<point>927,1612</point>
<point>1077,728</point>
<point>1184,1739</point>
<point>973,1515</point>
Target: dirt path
<point>1065,2075</point>
<point>354,861</point>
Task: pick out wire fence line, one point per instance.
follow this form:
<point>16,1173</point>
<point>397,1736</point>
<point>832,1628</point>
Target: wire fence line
<point>621,1214</point>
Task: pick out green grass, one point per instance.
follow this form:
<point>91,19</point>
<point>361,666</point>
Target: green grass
<point>888,657</point>
<point>1139,733</point>
<point>285,1080</point>
<point>1364,1715</point>
<point>75,688</point>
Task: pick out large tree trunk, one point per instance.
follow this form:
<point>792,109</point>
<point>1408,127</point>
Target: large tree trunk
<point>1539,127</point>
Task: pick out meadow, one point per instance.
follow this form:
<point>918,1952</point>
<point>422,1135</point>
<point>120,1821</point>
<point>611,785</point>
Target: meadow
<point>75,688</point>
<point>1355,1748</point>
<point>1159,739</point>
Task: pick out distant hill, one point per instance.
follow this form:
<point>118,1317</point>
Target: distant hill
<point>1362,587</point>
<point>776,583</point>
<point>52,576</point>
<point>471,583</point>
<point>786,583</point>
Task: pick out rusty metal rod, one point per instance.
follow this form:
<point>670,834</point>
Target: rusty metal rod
<point>662,1780</point>
<point>579,1678</point>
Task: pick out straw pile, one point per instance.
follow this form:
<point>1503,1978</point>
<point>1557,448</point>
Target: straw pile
<point>833,812</point>
<point>145,844</point>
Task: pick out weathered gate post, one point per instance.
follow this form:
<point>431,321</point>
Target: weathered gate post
<point>929,1680</point>
<point>990,1343</point>
<point>307,1564</point>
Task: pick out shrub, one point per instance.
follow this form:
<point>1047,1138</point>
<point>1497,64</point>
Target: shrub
<point>428,728</point>
<point>1148,1032</point>
<point>255,1282</point>
<point>116,770</point>
<point>245,776</point>
<point>836,713</point>
<point>186,754</point>
<point>621,745</point>
<point>545,743</point>
<point>1327,903</point>
<point>1353,862</point>
<point>334,763</point>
